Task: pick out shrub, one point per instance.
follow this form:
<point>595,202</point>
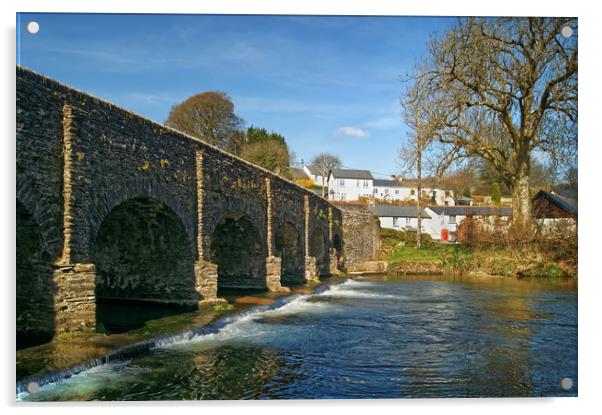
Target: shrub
<point>456,260</point>
<point>392,239</point>
<point>305,182</point>
<point>496,193</point>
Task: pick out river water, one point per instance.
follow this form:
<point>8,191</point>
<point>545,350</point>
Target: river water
<point>363,338</point>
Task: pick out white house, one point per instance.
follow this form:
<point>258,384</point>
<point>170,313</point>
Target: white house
<point>441,197</point>
<point>349,185</point>
<point>402,218</point>
<point>393,190</point>
<point>400,190</point>
<point>445,219</point>
<point>314,174</point>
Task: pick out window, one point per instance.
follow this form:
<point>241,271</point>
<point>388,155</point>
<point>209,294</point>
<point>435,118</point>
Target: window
<point>358,183</point>
<point>366,183</point>
<point>396,191</point>
<point>413,192</point>
<point>342,182</point>
<point>452,219</point>
<point>395,223</point>
<point>375,190</point>
<point>386,191</point>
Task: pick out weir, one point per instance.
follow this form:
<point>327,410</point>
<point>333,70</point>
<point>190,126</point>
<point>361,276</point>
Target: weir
<point>144,347</point>
<point>114,206</point>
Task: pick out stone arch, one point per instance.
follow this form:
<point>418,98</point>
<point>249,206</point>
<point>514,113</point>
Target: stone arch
<point>105,201</point>
<point>47,216</point>
<point>143,252</point>
<point>35,287</point>
<point>238,249</point>
<point>289,247</point>
<point>337,245</point>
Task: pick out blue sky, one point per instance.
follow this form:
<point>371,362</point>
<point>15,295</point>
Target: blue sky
<point>325,83</point>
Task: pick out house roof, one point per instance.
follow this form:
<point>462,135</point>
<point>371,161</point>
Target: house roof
<point>568,193</point>
<point>426,182</point>
<point>564,203</point>
<point>352,174</point>
<point>398,211</point>
<point>471,210</point>
<point>388,183</point>
<point>297,173</point>
<point>314,170</point>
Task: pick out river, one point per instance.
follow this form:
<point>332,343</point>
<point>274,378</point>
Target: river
<point>370,337</point>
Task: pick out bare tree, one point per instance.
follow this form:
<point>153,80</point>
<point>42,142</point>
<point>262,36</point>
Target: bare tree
<point>324,163</point>
<point>209,116</point>
<point>416,107</point>
<point>505,88</point>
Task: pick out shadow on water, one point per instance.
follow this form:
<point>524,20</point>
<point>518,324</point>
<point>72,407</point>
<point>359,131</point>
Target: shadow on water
<point>115,316</point>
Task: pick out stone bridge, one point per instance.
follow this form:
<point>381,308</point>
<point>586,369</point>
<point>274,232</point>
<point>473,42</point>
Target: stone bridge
<point>111,205</point>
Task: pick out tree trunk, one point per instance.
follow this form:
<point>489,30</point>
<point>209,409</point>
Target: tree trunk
<point>521,201</point>
<point>419,201</point>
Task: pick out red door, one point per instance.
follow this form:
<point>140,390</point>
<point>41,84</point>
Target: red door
<point>444,235</point>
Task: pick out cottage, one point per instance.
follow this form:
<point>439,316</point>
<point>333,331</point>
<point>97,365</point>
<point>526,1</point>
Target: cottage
<point>430,190</point>
<point>393,190</point>
<point>445,219</point>
<point>548,205</point>
<point>402,218</point>
<point>551,210</point>
<point>349,184</point>
<point>316,175</point>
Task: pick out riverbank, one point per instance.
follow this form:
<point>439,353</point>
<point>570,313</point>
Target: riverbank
<point>70,350</point>
<point>528,261</point>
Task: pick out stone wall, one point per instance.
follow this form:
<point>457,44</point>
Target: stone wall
<point>80,158</point>
<point>361,231</point>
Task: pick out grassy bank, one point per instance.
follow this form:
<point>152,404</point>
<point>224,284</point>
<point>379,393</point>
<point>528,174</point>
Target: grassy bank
<point>534,260</point>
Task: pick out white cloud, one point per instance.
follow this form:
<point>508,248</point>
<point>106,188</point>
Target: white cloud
<point>385,123</point>
<point>352,132</point>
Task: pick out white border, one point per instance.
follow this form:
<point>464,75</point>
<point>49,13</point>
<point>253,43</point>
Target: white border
<point>590,151</point>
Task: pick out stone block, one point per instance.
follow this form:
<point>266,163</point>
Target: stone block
<point>206,281</point>
<point>273,265</point>
<point>75,299</point>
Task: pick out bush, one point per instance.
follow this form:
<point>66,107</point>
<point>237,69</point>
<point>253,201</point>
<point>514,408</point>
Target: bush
<point>393,240</point>
<point>456,260</point>
<point>496,193</point>
<point>305,182</point>
<point>494,231</point>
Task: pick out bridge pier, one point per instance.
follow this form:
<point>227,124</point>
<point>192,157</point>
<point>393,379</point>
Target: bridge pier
<point>273,273</point>
<point>311,269</point>
<point>333,262</point>
<point>74,298</point>
<point>206,282</point>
